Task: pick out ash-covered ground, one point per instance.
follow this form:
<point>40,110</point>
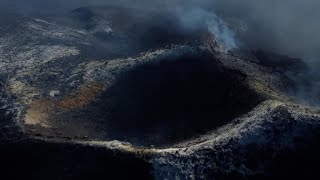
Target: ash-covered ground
<point>106,92</point>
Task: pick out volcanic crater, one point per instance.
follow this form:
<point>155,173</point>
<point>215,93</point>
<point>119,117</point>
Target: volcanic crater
<point>113,92</point>
<point>157,103</point>
<point>173,100</point>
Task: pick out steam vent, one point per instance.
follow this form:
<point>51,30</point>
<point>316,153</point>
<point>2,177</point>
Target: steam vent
<point>104,92</point>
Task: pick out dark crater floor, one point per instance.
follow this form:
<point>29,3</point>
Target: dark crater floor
<point>171,100</point>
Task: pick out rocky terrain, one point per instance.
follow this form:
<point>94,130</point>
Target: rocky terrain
<point>110,93</point>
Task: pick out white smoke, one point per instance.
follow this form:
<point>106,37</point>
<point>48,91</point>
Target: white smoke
<point>191,13</point>
<point>221,32</point>
<point>308,83</point>
<point>288,27</point>
<point>216,26</point>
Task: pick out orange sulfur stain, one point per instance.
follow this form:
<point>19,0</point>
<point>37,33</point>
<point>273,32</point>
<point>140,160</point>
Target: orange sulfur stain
<point>39,110</point>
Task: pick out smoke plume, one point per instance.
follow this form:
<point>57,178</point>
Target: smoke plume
<point>190,13</point>
<point>287,27</point>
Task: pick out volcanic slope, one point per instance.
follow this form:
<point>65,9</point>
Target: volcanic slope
<point>100,95</point>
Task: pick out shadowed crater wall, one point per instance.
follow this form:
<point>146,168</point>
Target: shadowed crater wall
<point>42,160</point>
<point>172,100</point>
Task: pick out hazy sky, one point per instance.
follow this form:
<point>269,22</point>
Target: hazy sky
<point>287,26</point>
